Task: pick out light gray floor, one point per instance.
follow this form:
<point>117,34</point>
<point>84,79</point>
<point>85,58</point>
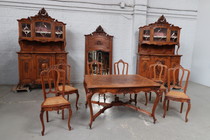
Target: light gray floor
<point>19,119</point>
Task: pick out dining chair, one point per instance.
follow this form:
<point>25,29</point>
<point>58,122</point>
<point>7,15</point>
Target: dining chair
<point>68,88</point>
<point>158,74</point>
<point>177,89</point>
<point>121,68</point>
<point>95,68</point>
<point>50,79</point>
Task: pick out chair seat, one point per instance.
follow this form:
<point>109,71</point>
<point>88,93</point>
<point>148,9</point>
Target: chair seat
<point>177,87</point>
<point>157,81</point>
<point>67,88</point>
<point>162,87</point>
<point>55,101</point>
<point>177,94</point>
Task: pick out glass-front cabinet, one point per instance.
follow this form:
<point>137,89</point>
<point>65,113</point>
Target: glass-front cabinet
<point>25,29</point>
<point>98,47</point>
<point>41,27</point>
<point>159,33</point>
<point>59,31</point>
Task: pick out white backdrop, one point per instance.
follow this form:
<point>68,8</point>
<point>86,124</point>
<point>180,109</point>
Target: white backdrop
<point>83,17</point>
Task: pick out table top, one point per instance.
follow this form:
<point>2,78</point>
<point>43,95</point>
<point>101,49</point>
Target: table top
<point>118,81</point>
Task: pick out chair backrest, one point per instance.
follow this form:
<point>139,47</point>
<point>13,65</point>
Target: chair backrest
<point>67,69</point>
<point>158,72</point>
<point>177,83</point>
<point>94,68</point>
<point>51,78</point>
<point>120,68</point>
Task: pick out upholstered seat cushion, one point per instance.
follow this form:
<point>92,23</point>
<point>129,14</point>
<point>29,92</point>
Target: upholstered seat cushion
<point>67,88</point>
<point>55,101</point>
<point>177,94</point>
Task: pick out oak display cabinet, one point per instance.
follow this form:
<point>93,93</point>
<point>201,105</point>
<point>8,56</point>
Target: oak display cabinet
<point>158,42</point>
<point>42,41</point>
<point>98,46</point>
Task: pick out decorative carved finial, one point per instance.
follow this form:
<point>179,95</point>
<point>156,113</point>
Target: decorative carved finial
<point>99,30</point>
<point>42,13</point>
<point>162,20</point>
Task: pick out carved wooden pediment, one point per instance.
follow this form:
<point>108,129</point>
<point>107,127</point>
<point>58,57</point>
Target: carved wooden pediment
<point>99,31</point>
<point>42,14</point>
<point>161,20</point>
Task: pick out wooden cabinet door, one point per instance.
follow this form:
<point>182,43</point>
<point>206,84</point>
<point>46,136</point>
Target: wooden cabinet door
<point>60,58</point>
<point>165,60</point>
<point>25,68</point>
<point>144,64</point>
<point>42,62</point>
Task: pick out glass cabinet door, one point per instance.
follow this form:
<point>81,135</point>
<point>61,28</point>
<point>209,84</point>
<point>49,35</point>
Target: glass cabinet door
<point>59,32</point>
<point>26,30</point>
<point>160,34</point>
<point>146,35</point>
<point>42,29</point>
<point>174,36</point>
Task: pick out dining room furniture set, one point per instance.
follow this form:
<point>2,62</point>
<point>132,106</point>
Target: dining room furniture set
<point>42,61</point>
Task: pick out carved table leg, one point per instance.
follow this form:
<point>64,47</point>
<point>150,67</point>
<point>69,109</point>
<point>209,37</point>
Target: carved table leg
<point>42,121</point>
<point>89,96</point>
<point>158,94</point>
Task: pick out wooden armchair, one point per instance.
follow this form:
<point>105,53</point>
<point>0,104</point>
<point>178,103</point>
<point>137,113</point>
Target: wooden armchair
<point>94,68</point>
<point>51,77</point>
<point>158,73</point>
<point>177,89</point>
<point>68,88</point>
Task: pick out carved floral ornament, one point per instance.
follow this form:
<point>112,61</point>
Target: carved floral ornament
<point>42,13</point>
<point>161,20</point>
<point>99,30</point>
